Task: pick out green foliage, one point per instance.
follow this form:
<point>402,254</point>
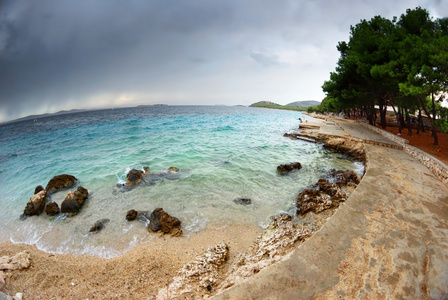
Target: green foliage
<point>442,125</point>
<point>272,105</point>
<point>396,62</point>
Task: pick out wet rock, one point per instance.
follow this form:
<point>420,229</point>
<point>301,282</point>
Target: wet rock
<point>199,276</point>
<point>59,182</point>
<point>74,201</point>
<point>327,196</point>
<point>146,170</point>
<point>173,169</point>
<point>131,215</point>
<point>161,221</point>
<point>134,176</point>
<point>38,189</point>
<point>99,225</point>
<point>52,209</point>
<point>344,178</point>
<point>286,168</point>
<point>242,201</point>
<point>36,204</point>
<point>143,216</point>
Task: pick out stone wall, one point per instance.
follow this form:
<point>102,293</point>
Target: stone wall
<point>436,166</point>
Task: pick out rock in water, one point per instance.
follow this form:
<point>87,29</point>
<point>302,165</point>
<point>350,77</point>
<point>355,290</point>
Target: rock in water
<point>52,209</point>
<point>99,225</point>
<point>134,176</point>
<point>36,204</point>
<point>38,189</point>
<point>242,201</point>
<point>74,201</point>
<point>131,215</point>
<point>283,169</point>
<point>161,221</point>
<point>173,169</point>
<point>59,182</point>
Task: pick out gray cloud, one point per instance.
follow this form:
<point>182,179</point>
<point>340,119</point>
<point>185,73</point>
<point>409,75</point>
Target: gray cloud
<point>60,55</point>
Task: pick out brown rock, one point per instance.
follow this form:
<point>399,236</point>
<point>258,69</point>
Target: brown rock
<point>99,225</point>
<point>352,148</point>
<point>173,169</point>
<point>52,209</point>
<point>134,176</point>
<point>38,189</point>
<point>286,168</point>
<point>343,178</point>
<point>74,201</point>
<point>59,182</point>
<point>36,204</point>
<point>146,170</point>
<point>131,215</point>
<point>161,221</point>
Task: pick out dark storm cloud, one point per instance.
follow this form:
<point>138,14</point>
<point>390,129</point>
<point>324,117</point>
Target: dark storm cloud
<point>69,54</point>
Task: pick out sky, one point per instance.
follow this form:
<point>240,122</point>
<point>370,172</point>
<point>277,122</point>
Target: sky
<point>61,55</point>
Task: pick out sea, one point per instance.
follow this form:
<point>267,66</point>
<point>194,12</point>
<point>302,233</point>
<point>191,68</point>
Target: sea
<point>222,152</point>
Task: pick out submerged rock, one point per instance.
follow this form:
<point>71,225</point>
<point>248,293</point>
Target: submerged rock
<point>59,182</point>
<point>99,225</point>
<point>36,204</point>
<point>52,209</point>
<point>286,168</point>
<point>161,221</point>
<point>242,201</point>
<point>74,201</point>
<point>199,276</point>
<point>131,215</point>
<point>134,176</point>
<point>143,216</point>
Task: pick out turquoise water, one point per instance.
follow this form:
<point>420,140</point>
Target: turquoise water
<point>222,153</point>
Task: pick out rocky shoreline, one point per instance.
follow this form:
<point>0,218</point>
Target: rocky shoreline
<point>214,270</point>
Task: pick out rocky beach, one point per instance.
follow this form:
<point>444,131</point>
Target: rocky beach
<point>174,266</point>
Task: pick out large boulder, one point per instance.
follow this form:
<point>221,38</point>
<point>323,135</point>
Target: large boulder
<point>52,209</point>
<point>74,201</point>
<point>99,225</point>
<point>134,176</point>
<point>59,182</point>
<point>286,168</point>
<point>161,221</point>
<point>36,204</point>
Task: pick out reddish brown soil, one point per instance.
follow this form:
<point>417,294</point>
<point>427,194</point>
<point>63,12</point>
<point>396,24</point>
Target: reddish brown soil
<point>424,141</point>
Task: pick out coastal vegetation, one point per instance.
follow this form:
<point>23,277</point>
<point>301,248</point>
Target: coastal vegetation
<point>272,105</point>
<point>400,63</point>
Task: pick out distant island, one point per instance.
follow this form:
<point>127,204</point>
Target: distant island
<point>298,105</point>
<point>151,105</point>
<point>36,117</point>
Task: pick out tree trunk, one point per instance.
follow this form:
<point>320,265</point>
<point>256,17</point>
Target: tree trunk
<point>408,121</point>
<point>419,121</point>
<point>434,130</point>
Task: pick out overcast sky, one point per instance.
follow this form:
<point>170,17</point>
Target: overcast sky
<point>58,55</point>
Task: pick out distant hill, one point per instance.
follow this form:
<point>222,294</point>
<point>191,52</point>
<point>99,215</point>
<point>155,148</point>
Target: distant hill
<point>306,103</point>
<point>269,104</point>
<point>34,117</point>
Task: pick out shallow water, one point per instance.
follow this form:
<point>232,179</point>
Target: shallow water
<point>222,152</point>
